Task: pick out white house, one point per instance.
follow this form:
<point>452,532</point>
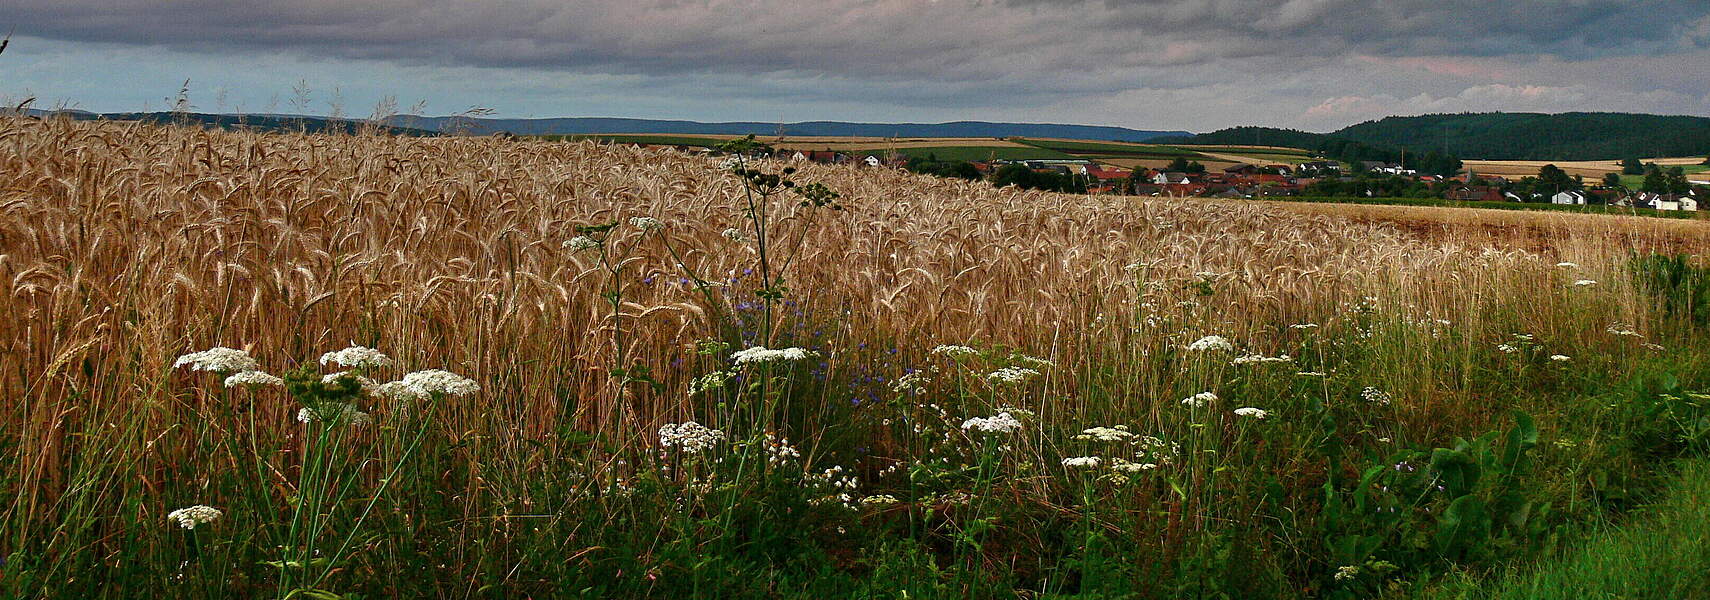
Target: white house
<point>1688,203</point>
<point>1169,178</point>
<point>1569,197</point>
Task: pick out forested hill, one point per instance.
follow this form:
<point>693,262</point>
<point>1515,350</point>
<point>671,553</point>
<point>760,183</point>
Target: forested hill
<point>1499,136</point>
<point>1535,136</point>
<point>1250,136</point>
<point>1331,146</point>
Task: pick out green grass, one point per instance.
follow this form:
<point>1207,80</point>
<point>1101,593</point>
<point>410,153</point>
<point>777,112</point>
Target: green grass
<point>1439,202</point>
<point>1111,149</point>
<point>1254,150</point>
<point>1663,553</point>
<point>1637,181</point>
<point>672,140</point>
<point>974,153</point>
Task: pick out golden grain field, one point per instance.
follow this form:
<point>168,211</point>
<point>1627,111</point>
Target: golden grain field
<point>123,246</point>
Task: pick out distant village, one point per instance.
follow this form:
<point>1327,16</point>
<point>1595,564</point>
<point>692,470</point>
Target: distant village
<point>1184,178</point>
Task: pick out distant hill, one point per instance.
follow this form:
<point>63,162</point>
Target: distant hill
<point>1250,136</point>
<point>585,125</point>
<point>1536,136</point>
<point>1499,136</point>
<point>1332,146</point>
<point>257,122</point>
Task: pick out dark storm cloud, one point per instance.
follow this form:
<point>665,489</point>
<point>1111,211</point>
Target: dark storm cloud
<point>1303,62</point>
<point>914,39</point>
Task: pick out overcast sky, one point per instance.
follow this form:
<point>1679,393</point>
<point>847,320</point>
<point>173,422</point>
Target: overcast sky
<point>1149,64</point>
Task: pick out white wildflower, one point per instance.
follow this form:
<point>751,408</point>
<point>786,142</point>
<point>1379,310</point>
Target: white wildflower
<point>779,451</point>
<point>1584,283</point>
<point>190,517</point>
<point>219,360</point>
<point>1105,434</point>
<point>1312,374</point>
<point>1560,357</point>
<point>879,500</point>
<point>1012,375</point>
<point>1199,400</point>
<point>1347,572</point>
<point>646,223</point>
<point>915,382</point>
<point>1211,343</point>
<point>397,390</point>
<point>954,351</point>
<point>1260,359</point>
<point>759,354</point>
<point>1125,466</point>
<point>735,235</point>
<point>253,379</point>
<point>336,413</point>
<point>999,423</point>
<point>690,437</point>
<point>1567,265</point>
<point>357,357</point>
<point>1248,411</point>
<point>1375,396</point>
<point>1617,330</point>
<point>1304,326</point>
<point>436,382</point>
<point>581,242</point>
<point>1507,348</point>
<point>710,381</point>
<point>1083,462</point>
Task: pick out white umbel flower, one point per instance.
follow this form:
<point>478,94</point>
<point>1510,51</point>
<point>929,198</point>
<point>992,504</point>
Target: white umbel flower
<point>1199,400</point>
<point>1012,375</point>
<point>253,379</point>
<point>1376,396</point>
<point>1083,462</point>
<point>954,351</point>
<point>219,360</point>
<point>1560,357</point>
<point>1567,265</point>
<point>190,517</point>
<point>1125,466</point>
<point>397,390</point>
<point>336,413</point>
<point>759,354</point>
<point>1211,343</point>
<point>690,437</point>
<point>1584,283</point>
<point>1105,434</point>
<point>436,382</point>
<point>1002,422</point>
<point>735,235</point>
<point>581,242</point>
<point>1248,411</point>
<point>647,223</point>
<point>357,357</point>
<point>1260,359</point>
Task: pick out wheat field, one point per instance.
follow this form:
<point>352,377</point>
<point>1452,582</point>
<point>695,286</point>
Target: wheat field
<point>125,246</point>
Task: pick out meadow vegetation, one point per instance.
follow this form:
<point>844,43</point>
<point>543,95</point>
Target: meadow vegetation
<point>331,366</point>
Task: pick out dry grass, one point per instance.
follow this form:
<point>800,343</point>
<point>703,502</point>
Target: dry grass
<point>146,241</point>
